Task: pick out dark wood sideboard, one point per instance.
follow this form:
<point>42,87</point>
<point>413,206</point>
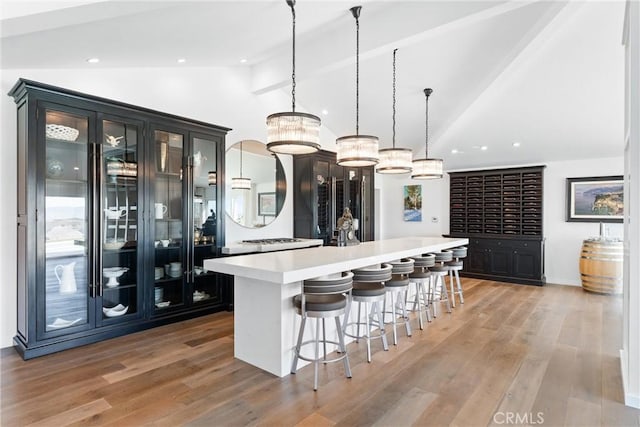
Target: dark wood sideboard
<point>501,212</point>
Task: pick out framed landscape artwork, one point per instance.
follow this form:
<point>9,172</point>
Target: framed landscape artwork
<point>413,203</point>
<point>267,204</point>
<point>595,199</point>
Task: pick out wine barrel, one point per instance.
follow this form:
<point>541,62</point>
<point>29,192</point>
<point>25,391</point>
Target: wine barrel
<point>601,266</point>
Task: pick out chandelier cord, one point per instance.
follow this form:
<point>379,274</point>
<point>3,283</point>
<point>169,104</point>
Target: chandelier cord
<point>426,127</point>
<point>241,159</point>
<point>394,98</point>
<point>357,76</point>
<point>293,73</point>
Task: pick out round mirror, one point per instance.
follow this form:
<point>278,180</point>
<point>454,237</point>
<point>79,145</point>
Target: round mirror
<point>255,184</point>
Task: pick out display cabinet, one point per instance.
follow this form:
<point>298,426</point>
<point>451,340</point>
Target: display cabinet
<point>112,202</point>
<point>501,212</point>
<point>324,189</point>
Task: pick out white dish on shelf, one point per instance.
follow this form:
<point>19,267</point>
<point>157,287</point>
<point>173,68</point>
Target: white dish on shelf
<point>64,133</point>
<point>116,311</point>
<point>62,323</point>
<point>113,245</point>
<point>163,304</point>
<point>199,296</point>
<point>112,273</point>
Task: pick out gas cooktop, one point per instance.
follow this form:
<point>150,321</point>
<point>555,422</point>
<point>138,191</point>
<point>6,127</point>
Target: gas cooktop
<point>272,241</point>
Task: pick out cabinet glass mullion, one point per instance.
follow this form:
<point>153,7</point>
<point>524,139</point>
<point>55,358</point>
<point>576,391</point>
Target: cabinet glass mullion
<point>67,219</point>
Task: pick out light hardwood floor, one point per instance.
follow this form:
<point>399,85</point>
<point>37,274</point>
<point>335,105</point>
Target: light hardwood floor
<point>540,356</point>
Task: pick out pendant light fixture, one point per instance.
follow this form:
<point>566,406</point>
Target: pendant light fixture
<point>241,183</point>
<point>427,168</point>
<point>394,160</point>
<point>212,178</point>
<point>357,150</point>
<point>293,132</point>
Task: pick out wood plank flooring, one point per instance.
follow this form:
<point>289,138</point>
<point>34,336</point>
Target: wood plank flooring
<point>511,354</point>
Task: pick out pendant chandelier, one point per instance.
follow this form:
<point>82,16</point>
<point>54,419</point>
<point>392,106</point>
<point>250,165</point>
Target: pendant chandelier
<point>292,132</point>
<point>212,178</point>
<point>394,160</point>
<point>357,150</point>
<point>241,183</point>
<point>427,168</point>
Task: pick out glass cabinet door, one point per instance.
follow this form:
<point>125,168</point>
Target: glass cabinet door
<point>67,223</point>
<point>168,210</point>
<point>205,288</point>
<point>118,209</point>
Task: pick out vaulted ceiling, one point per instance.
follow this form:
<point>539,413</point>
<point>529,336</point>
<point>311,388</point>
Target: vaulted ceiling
<point>548,75</point>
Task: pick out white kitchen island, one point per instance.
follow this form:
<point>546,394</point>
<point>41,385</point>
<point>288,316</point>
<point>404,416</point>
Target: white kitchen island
<point>265,321</point>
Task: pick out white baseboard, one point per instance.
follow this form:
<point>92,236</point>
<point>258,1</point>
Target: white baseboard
<point>629,399</point>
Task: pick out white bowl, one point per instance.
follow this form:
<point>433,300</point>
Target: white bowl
<point>163,304</point>
<point>116,311</point>
<point>113,245</point>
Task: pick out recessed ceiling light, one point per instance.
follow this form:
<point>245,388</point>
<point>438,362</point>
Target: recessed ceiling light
<point>454,151</point>
<point>325,112</point>
<point>76,168</point>
<point>516,144</point>
<point>243,61</point>
<point>181,60</point>
<point>93,60</point>
<point>484,148</point>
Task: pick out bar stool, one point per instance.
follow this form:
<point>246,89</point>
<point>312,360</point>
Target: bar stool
<point>438,273</point>
<point>421,277</point>
<point>454,267</point>
<point>368,289</point>
<point>397,288</point>
<point>321,298</point>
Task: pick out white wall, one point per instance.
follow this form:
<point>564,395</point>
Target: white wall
<point>215,95</point>
<point>563,239</point>
<point>630,352</point>
<point>435,201</point>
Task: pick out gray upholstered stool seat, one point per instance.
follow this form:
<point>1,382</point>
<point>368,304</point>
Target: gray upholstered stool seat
<point>420,275</point>
<point>439,269</point>
<point>397,281</point>
<point>321,302</point>
<point>368,289</point>
<point>364,289</point>
<point>321,298</point>
<point>455,266</point>
<point>397,290</point>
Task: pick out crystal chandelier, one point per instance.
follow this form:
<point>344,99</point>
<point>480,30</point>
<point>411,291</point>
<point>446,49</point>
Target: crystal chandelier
<point>427,168</point>
<point>212,178</point>
<point>241,183</point>
<point>357,150</point>
<point>394,160</point>
<point>292,132</point>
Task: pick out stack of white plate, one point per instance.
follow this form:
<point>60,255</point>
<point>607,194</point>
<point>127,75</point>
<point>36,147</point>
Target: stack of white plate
<point>175,269</point>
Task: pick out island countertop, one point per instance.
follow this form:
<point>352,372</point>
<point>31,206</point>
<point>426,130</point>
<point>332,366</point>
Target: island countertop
<point>295,265</point>
<point>265,319</point>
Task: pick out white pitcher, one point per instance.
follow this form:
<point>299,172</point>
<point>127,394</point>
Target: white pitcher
<point>68,280</point>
